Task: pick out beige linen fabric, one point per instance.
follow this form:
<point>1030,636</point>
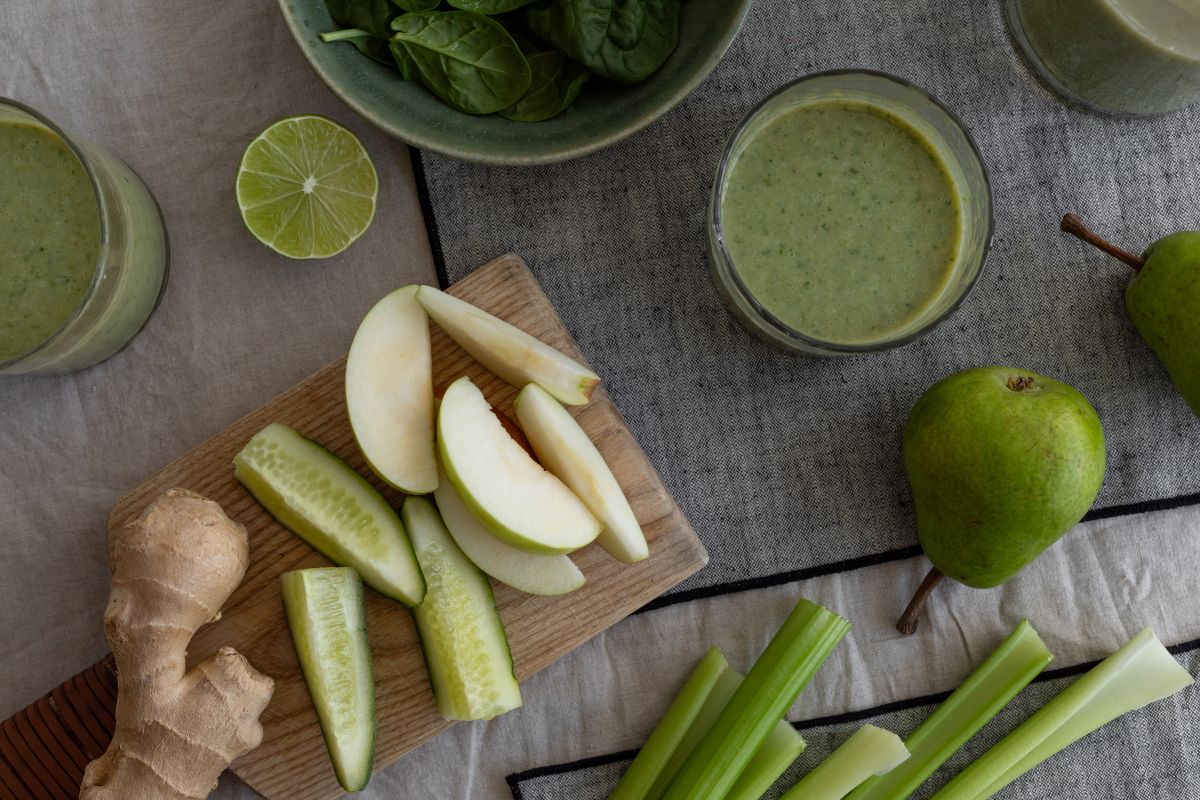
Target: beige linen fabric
<point>177,90</point>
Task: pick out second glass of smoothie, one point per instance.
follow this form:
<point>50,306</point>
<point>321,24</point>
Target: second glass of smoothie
<point>850,213</point>
<point>83,250</point>
<point>1121,57</point>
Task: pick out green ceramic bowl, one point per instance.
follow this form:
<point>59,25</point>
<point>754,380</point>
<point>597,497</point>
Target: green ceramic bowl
<point>603,114</point>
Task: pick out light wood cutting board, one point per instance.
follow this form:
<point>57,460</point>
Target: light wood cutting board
<point>292,763</point>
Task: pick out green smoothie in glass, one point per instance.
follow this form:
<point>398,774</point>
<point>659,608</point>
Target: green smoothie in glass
<point>82,248</point>
<point>49,236</point>
<point>1126,57</point>
<point>850,213</point>
<point>843,222</point>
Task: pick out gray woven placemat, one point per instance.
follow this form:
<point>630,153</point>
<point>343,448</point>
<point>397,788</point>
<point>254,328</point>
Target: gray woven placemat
<point>1147,755</point>
<point>786,463</point>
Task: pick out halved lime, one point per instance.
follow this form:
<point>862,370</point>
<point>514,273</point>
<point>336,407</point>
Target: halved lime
<point>306,187</point>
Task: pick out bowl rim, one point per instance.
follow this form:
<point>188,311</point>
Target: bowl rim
<point>478,155</point>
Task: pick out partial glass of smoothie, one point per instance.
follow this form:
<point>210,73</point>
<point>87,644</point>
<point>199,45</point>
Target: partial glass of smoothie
<point>1122,57</point>
<point>851,213</point>
<point>82,248</point>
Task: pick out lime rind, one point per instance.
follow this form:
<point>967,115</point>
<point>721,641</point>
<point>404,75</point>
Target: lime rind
<point>306,187</point>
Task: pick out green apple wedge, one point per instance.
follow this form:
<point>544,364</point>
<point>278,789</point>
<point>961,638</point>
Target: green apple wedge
<point>565,449</point>
<point>389,392</point>
<point>527,572</point>
<point>510,493</point>
<point>318,497</point>
<point>508,351</point>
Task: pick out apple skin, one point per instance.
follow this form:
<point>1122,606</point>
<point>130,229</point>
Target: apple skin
<point>464,405</point>
<point>1163,299</point>
<point>507,351</point>
<point>524,571</point>
<point>565,449</point>
<point>1000,468</point>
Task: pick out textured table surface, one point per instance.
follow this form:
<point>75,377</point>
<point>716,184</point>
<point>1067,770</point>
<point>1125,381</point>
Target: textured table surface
<point>741,434</point>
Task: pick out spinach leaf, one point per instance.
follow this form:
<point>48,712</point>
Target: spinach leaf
<point>373,16</point>
<point>489,6</point>
<point>556,83</point>
<point>418,5</point>
<point>400,58</point>
<point>467,59</point>
<point>368,45</point>
<point>624,41</point>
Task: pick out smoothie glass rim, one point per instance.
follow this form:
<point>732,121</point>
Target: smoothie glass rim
<point>806,341</point>
<point>103,254</point>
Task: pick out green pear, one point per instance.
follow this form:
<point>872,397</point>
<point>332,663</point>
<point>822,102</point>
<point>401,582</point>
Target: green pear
<point>1002,462</point>
<point>1163,299</point>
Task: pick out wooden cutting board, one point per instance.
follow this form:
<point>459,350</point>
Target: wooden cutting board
<point>292,762</point>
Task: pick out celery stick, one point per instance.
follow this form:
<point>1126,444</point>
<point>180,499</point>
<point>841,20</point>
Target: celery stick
<point>777,753</point>
<point>1138,674</point>
<point>802,644</point>
<point>870,751</point>
<point>653,761</point>
<point>1017,661</point>
<point>726,684</point>
<point>764,766</point>
<point>659,760</point>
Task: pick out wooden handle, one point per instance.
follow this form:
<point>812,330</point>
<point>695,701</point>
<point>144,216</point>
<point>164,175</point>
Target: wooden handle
<point>45,747</point>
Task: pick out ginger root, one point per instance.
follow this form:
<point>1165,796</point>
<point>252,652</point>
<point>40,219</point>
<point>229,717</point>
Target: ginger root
<point>173,567</point>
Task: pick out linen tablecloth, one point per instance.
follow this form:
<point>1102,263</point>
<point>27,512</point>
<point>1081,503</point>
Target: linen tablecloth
<point>742,434</point>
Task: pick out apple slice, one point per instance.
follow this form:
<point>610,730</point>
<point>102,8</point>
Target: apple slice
<point>526,572</point>
<point>565,449</point>
<point>389,392</point>
<point>507,351</point>
<point>510,493</point>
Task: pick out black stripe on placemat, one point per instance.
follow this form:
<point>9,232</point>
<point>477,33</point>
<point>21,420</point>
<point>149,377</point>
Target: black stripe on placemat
<point>431,228</point>
<point>1144,507</point>
<point>780,578</point>
<point>886,557</point>
<point>515,780</point>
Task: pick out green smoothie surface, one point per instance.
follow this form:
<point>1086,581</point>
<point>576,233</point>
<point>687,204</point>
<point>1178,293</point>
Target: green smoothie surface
<point>841,221</point>
<point>49,236</point>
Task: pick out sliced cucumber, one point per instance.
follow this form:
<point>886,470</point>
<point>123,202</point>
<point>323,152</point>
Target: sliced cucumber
<point>333,508</point>
<point>325,613</point>
<point>465,647</point>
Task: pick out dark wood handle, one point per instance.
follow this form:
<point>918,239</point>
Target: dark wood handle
<point>45,747</point>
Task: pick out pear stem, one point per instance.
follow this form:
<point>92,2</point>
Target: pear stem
<point>1073,225</point>
<point>912,615</point>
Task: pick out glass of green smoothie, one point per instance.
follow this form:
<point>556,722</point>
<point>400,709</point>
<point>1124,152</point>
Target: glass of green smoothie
<point>850,213</point>
<point>83,251</point>
<point>1121,57</point>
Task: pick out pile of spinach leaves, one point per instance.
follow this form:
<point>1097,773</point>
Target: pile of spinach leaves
<point>526,60</point>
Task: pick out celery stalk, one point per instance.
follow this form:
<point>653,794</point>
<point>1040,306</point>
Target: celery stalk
<point>659,761</point>
<point>653,761</point>
<point>793,656</point>
<point>1008,670</point>
<point>722,690</point>
<point>1138,674</point>
<point>777,753</point>
<point>870,751</point>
